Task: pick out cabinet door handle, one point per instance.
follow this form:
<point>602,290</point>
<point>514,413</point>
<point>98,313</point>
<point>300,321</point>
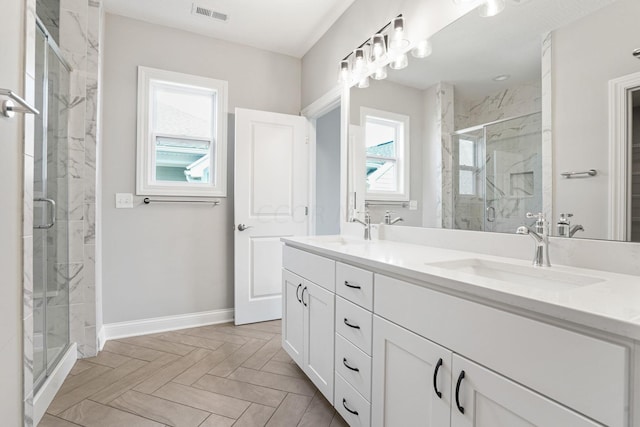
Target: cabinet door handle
<point>344,362</point>
<point>346,322</point>
<point>435,378</point>
<point>344,403</point>
<point>304,303</point>
<point>297,292</point>
<point>460,378</point>
<point>349,285</point>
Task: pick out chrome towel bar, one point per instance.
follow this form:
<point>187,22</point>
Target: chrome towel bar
<point>9,108</point>
<point>583,174</point>
<point>147,201</point>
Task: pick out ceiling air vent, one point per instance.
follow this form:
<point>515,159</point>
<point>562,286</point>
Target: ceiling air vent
<point>209,13</point>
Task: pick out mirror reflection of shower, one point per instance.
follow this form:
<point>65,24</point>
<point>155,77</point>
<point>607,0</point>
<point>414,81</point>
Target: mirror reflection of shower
<point>51,272</point>
<point>634,205</point>
<point>497,174</point>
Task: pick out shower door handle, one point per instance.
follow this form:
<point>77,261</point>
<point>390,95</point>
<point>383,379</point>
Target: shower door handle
<point>52,211</point>
<point>491,214</point>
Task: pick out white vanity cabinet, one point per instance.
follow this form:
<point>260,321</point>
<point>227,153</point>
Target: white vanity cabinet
<point>409,354</point>
<point>308,315</point>
<point>411,383</point>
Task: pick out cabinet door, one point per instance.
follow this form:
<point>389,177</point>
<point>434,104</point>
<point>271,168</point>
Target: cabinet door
<point>319,309</point>
<point>491,400</point>
<point>292,316</point>
<point>403,368</point>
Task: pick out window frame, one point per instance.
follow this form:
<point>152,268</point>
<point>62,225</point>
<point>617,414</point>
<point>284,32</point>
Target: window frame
<point>146,184</point>
<point>402,159</point>
<point>475,168</point>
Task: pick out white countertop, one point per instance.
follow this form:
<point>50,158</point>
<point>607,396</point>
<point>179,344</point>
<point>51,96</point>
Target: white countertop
<point>611,305</point>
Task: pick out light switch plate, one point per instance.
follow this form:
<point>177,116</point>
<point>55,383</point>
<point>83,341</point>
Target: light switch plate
<point>413,205</point>
<point>124,201</point>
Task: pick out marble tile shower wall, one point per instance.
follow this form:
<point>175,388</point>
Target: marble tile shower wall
<point>468,212</point>
<point>80,45</point>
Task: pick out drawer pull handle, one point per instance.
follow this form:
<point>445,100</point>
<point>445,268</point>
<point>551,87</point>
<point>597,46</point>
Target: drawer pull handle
<point>460,378</point>
<point>435,378</point>
<point>344,362</point>
<point>346,322</point>
<point>344,403</point>
<point>349,285</point>
<point>298,292</point>
<point>304,303</point>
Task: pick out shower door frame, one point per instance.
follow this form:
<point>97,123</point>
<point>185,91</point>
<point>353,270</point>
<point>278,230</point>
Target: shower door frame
<point>49,43</point>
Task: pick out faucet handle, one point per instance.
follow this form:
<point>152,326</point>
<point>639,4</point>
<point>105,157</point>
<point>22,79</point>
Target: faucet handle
<point>539,216</point>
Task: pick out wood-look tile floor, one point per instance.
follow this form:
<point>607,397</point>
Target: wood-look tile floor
<point>211,376</point>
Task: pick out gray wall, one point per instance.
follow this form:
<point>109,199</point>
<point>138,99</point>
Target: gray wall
<point>580,110</point>
<point>11,229</point>
<point>320,65</point>
<point>328,173</point>
<point>162,259</point>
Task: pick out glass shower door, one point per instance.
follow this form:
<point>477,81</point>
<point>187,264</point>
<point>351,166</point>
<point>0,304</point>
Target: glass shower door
<point>50,212</point>
<point>513,165</point>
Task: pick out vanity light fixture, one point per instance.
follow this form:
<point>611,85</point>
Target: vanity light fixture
<point>370,58</point>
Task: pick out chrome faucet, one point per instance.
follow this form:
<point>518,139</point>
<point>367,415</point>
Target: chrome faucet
<point>388,220</point>
<point>564,226</point>
<point>366,223</point>
<point>540,234</point>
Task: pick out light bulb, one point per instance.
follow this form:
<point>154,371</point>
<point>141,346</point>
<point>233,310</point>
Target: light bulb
<point>491,8</point>
<point>359,62</point>
<point>400,62</point>
<point>422,49</point>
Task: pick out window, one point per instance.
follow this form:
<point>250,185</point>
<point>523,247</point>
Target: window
<point>182,134</point>
<point>386,138</point>
<point>467,167</point>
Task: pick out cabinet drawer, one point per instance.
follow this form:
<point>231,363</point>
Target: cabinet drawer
<point>586,374</point>
<point>355,284</point>
<point>351,405</point>
<point>354,366</point>
<point>317,269</point>
<point>361,321</point>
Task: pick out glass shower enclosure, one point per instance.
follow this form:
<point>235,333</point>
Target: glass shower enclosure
<point>497,174</point>
<point>51,273</point>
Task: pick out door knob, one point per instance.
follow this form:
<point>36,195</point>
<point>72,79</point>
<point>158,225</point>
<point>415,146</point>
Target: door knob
<point>242,227</point>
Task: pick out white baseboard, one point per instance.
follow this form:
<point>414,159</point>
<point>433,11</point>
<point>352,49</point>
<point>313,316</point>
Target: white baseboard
<point>134,328</point>
<point>47,392</point>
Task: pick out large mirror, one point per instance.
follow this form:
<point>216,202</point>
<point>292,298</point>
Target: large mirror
<point>532,110</point>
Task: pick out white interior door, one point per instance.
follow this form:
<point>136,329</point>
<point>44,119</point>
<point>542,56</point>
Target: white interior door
<point>271,201</point>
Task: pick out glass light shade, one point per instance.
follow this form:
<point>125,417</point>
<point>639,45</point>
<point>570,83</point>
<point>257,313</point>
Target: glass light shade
<point>380,73</point>
<point>345,72</point>
<point>359,62</point>
<point>422,49</point>
<point>400,62</point>
<point>363,83</point>
<point>378,48</point>
<point>398,41</point>
<point>491,8</point>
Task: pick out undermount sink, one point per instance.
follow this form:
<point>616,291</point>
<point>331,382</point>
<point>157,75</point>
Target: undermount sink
<point>542,278</point>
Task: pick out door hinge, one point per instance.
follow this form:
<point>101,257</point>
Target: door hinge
<point>306,210</point>
<point>306,140</point>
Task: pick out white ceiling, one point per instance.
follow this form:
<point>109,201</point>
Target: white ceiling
<point>290,27</point>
